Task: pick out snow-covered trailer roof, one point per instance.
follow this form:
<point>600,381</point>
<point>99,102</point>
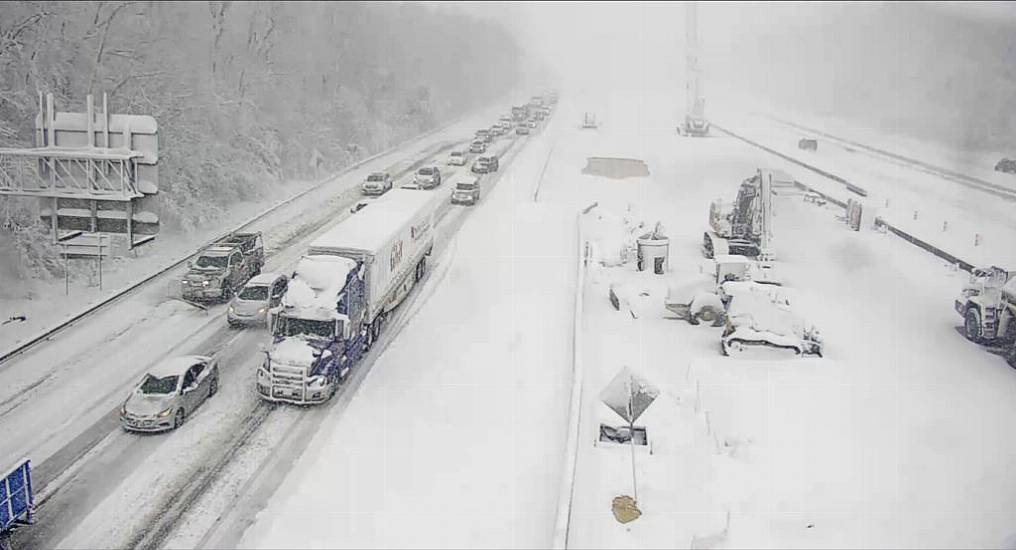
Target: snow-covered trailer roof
<point>313,292</point>
<point>372,228</point>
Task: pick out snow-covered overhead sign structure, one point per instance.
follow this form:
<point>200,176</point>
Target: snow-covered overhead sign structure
<point>95,172</point>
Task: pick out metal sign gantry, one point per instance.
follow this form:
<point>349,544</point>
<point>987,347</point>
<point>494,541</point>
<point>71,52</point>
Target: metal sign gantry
<point>94,171</point>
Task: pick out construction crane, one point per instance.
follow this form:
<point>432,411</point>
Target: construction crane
<point>695,123</point>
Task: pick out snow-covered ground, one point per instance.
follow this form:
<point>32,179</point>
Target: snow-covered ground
<point>455,437</point>
<point>896,438</point>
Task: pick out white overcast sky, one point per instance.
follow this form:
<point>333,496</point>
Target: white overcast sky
<point>645,40</point>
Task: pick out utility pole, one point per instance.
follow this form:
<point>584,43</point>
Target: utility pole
<point>695,123</point>
<point>693,84</point>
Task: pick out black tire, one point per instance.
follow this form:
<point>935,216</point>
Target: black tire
<point>972,325</point>
<point>227,291</point>
<point>179,418</point>
<point>213,386</point>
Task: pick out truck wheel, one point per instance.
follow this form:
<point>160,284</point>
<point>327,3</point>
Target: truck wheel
<point>972,325</point>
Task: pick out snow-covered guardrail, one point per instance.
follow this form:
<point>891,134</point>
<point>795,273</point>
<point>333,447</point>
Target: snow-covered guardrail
<point>879,221</point>
<point>567,491</point>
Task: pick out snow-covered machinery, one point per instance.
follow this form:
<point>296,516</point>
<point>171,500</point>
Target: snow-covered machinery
<point>341,293</point>
<point>759,322</point>
<point>743,227</point>
<point>699,302</point>
<point>988,306</point>
<point>705,301</point>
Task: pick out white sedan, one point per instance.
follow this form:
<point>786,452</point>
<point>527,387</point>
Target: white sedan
<point>169,392</point>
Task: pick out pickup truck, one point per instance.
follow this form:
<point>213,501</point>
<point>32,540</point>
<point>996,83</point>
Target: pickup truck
<point>223,267</point>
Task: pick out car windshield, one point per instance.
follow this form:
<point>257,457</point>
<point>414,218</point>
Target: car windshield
<point>426,171</point>
<point>212,261</point>
<point>153,385</point>
<point>376,177</point>
<point>465,186</point>
<point>456,153</point>
<point>257,293</point>
<point>307,327</point>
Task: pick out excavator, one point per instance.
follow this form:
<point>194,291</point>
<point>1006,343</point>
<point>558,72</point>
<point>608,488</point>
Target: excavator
<point>743,227</point>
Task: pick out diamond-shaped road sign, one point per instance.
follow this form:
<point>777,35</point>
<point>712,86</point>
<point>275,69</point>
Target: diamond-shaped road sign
<point>629,395</point>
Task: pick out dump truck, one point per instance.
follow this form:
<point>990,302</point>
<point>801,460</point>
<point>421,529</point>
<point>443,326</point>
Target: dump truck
<point>743,227</point>
<point>341,293</point>
<point>222,268</point>
<point>987,303</point>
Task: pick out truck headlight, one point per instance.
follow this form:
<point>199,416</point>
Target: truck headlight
<point>262,310</point>
<point>204,283</point>
<point>232,309</point>
<point>318,382</point>
<point>263,372</point>
<point>166,413</point>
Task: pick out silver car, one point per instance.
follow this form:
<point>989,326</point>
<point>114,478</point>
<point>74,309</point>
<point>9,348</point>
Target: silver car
<point>169,392</point>
<point>260,297</point>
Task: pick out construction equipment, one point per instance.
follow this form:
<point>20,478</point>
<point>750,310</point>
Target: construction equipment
<point>706,301</point>
<point>987,303</point>
<point>745,226</point>
<point>759,322</point>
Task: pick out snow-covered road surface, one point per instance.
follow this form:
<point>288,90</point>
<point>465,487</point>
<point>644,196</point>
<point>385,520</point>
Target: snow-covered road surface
<point>75,452</point>
<point>456,437</point>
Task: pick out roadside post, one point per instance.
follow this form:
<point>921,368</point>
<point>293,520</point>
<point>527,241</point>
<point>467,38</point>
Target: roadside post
<point>629,395</point>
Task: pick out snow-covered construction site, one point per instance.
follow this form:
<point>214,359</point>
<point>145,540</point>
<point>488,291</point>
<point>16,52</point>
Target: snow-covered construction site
<point>572,304</point>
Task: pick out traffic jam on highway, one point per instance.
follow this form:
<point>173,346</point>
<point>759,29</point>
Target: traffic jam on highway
<point>311,303</point>
<point>330,310</point>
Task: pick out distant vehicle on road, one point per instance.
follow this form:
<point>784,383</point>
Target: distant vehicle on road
<point>486,164</point>
<point>169,393</point>
<point>1006,165</point>
<point>482,133</point>
<point>223,267</point>
<point>589,120</point>
<point>522,130</point>
<point>457,158</point>
<point>477,146</point>
<point>428,177</point>
<point>806,144</point>
<point>260,297</point>
<point>377,183</point>
<point>467,191</point>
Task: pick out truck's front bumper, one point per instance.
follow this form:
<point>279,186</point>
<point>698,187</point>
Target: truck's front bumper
<point>296,396</point>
